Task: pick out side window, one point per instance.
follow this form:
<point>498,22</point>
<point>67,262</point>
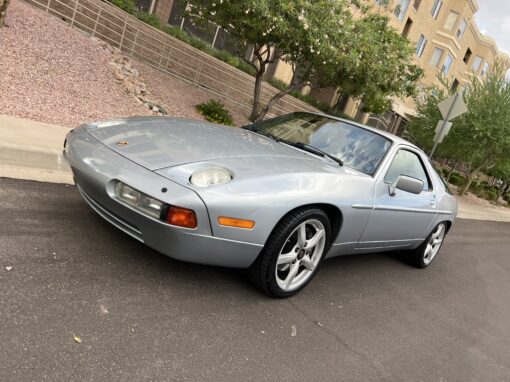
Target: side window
<point>407,163</point>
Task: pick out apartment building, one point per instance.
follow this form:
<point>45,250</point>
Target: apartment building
<point>447,41</point>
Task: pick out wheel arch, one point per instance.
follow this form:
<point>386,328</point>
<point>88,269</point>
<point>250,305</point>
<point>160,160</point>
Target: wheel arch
<point>334,214</point>
<point>448,225</point>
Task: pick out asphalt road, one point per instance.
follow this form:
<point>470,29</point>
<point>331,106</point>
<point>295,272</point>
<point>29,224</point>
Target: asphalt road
<point>142,316</point>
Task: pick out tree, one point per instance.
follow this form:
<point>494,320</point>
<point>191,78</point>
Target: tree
<point>480,137</point>
<point>375,65</point>
<point>486,126</point>
<point>421,129</point>
<point>322,41</point>
<point>3,11</point>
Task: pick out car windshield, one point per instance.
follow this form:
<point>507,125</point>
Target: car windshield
<point>358,148</point>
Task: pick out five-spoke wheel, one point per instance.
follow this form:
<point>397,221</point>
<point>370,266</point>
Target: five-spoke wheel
<point>423,256</point>
<point>292,253</point>
<point>300,254</point>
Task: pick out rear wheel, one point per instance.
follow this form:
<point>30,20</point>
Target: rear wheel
<point>425,254</point>
<point>293,253</point>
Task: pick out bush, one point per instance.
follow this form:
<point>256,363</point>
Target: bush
<point>278,84</point>
<point>457,179</point>
<point>215,111</point>
<point>127,5</point>
<point>148,18</point>
<point>482,193</point>
<point>492,196</point>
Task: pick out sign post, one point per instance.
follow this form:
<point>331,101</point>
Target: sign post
<point>450,108</point>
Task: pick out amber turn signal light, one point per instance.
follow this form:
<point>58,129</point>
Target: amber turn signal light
<point>181,217</point>
<point>238,223</point>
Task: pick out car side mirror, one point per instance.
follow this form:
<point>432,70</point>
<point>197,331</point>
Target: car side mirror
<point>406,183</point>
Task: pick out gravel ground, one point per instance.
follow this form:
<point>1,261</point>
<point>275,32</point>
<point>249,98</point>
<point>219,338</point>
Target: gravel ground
<point>179,97</point>
<point>53,73</point>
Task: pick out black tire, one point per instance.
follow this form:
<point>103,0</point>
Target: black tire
<point>263,272</point>
<point>417,257</point>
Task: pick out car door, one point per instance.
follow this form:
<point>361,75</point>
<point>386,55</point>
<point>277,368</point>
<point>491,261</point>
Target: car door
<point>401,219</point>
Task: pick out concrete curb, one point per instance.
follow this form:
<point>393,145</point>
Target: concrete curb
<point>32,150</point>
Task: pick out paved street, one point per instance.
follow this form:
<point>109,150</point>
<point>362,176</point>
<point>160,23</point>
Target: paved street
<point>142,316</point>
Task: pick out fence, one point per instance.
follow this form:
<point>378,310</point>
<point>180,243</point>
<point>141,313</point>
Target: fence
<point>164,52</point>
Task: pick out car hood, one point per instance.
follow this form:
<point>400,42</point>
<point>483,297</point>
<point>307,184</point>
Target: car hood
<point>160,142</point>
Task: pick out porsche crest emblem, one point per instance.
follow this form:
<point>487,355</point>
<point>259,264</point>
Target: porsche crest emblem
<point>121,143</point>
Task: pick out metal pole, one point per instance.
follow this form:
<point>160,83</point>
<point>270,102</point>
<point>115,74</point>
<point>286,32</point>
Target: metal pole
<point>151,8</point>
<point>444,125</point>
<point>215,36</point>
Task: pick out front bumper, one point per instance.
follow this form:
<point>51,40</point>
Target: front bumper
<point>95,169</point>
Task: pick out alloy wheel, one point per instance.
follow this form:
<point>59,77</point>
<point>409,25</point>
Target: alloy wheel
<point>300,254</point>
<point>434,244</point>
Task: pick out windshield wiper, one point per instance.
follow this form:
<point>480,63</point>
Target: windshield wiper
<point>302,146</point>
<point>315,150</point>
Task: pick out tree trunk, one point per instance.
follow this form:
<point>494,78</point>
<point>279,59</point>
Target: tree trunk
<point>470,179</point>
<point>263,112</point>
<point>3,11</point>
<point>452,169</point>
<point>256,94</point>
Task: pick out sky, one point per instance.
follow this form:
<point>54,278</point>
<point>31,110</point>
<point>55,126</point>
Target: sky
<point>493,19</point>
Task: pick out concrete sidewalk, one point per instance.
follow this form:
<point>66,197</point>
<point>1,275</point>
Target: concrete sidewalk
<point>32,150</point>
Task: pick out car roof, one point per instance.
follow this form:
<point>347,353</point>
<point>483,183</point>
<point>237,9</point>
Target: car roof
<point>392,137</point>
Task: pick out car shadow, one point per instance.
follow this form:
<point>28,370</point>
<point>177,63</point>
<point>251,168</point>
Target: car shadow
<point>127,252</point>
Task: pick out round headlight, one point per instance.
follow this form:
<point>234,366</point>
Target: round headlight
<point>210,177</point>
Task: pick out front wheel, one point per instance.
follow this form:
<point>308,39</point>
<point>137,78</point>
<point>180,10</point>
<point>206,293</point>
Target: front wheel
<point>293,253</point>
<point>425,254</point>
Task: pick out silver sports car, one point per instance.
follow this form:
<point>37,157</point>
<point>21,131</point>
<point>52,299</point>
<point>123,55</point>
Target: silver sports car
<point>277,197</point>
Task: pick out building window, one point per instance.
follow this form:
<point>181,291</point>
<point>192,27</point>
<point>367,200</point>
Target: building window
<point>476,63</point>
<point>420,47</point>
<point>407,27</point>
<point>461,29</point>
<point>436,57</point>
<point>451,20</point>
<point>447,64</point>
<point>467,56</point>
<point>416,4</point>
<point>436,8</point>
<point>455,85</point>
<point>401,9</point>
<point>485,69</point>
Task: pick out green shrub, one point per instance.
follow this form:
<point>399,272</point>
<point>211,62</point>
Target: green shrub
<point>323,106</point>
<point>222,55</point>
<point>506,197</point>
<point>278,84</point>
<point>215,111</point>
<point>492,196</point>
<point>176,32</point>
<point>457,179</point>
<point>148,19</point>
<point>482,193</point>
<point>127,5</point>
